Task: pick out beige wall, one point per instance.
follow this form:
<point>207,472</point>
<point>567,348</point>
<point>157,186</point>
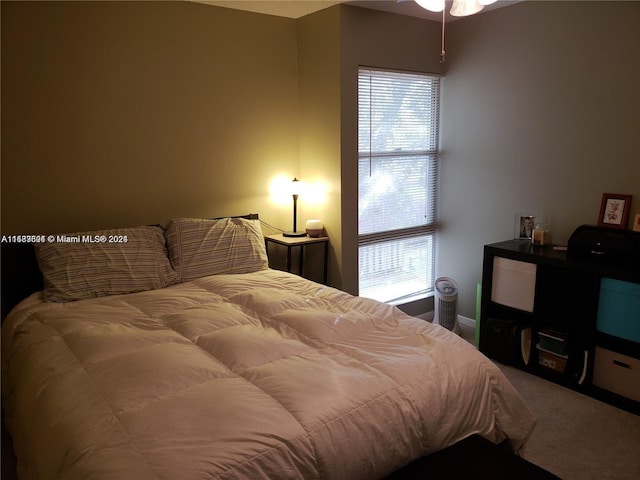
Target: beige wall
<point>541,113</point>
<point>319,86</point>
<point>128,113</point>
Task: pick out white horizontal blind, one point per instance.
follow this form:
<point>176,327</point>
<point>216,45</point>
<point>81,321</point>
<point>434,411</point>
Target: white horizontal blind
<point>397,174</point>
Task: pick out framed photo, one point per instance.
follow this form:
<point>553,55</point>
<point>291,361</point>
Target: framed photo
<point>614,211</point>
<point>636,223</point>
<point>524,226</point>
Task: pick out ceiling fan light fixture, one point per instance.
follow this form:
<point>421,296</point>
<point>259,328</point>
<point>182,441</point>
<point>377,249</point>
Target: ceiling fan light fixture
<point>463,8</point>
<point>459,8</point>
<point>432,5</point>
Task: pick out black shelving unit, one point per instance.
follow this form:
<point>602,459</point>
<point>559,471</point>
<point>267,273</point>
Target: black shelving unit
<point>565,300</point>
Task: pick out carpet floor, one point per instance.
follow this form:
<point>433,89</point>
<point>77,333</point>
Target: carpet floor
<point>578,437</point>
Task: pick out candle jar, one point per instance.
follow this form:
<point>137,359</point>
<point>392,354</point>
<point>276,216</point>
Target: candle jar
<point>541,234</point>
<point>314,228</point>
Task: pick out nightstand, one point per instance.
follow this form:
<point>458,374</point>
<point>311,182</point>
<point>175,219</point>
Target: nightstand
<point>300,243</point>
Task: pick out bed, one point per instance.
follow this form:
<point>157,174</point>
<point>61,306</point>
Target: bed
<point>174,351</point>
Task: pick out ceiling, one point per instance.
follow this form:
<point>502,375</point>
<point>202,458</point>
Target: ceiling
<point>300,8</point>
<point>280,8</point>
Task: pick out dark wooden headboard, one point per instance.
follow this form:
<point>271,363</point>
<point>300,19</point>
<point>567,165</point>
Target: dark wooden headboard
<point>21,275</point>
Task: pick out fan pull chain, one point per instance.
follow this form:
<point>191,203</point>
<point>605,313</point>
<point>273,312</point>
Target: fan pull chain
<point>442,52</point>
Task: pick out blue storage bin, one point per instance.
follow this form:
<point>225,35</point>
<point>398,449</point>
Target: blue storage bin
<point>619,309</point>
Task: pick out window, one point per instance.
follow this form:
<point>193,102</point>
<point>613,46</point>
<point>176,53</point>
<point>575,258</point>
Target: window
<point>397,174</point>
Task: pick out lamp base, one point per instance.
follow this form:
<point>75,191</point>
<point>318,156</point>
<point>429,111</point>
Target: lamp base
<point>294,234</point>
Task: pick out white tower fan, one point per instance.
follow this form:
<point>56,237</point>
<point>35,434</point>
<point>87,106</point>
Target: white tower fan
<point>446,304</point>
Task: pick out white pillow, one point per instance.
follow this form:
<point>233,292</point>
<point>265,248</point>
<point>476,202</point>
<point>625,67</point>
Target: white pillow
<point>105,262</point>
<point>201,247</point>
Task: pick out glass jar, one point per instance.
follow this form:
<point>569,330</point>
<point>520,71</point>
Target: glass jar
<point>541,234</point>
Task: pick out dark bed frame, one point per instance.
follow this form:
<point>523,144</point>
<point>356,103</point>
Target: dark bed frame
<point>20,275</point>
<point>20,278</point>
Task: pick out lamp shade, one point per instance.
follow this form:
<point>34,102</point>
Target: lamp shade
<point>296,186</point>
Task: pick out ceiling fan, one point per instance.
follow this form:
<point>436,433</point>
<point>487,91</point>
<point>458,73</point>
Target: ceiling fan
<point>459,8</point>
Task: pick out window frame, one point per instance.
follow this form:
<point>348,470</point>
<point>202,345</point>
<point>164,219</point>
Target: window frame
<point>431,157</point>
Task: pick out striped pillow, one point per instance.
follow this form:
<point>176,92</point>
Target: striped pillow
<point>201,247</point>
<point>107,262</point>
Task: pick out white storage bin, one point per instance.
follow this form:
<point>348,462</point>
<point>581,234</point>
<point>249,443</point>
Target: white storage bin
<point>514,283</point>
<point>617,373</point>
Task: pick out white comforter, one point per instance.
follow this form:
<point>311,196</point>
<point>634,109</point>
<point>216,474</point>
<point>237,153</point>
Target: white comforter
<point>254,376</point>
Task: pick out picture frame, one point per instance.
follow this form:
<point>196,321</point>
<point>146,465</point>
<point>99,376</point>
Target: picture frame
<point>636,223</point>
<point>614,210</point>
<point>524,224</point>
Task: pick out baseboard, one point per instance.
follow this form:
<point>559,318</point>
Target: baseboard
<point>468,329</point>
<point>466,321</point>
